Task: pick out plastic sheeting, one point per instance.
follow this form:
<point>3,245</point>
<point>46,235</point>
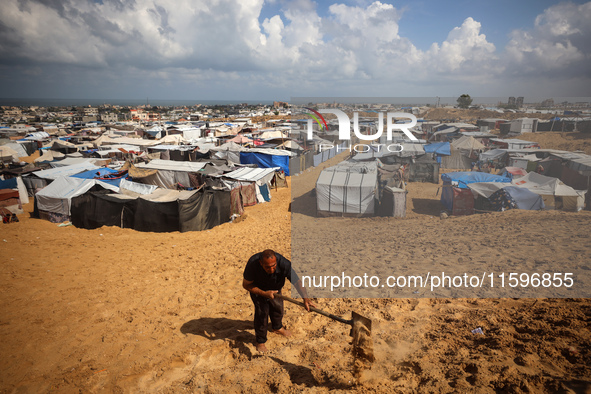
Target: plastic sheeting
<point>523,198</point>
<point>439,148</point>
<point>101,172</point>
<point>462,179</point>
<point>263,160</point>
<point>57,172</point>
<point>56,197</point>
<point>136,188</point>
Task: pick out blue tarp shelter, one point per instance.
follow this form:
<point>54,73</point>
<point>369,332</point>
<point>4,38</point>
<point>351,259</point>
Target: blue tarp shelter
<point>439,148</point>
<point>455,195</point>
<point>263,160</point>
<point>462,179</point>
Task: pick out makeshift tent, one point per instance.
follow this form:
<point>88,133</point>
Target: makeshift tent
<point>229,151</point>
<point>8,154</point>
<point>455,195</point>
<point>260,176</point>
<point>38,180</point>
<point>494,155</point>
<point>20,149</point>
<point>438,148</point>
<point>456,161</point>
<point>161,211</point>
<point>423,169</point>
<point>467,143</point>
<point>170,173</point>
<point>53,201</point>
<point>554,192</point>
<point>266,159</point>
<point>503,196</point>
<point>272,134</point>
<point>240,139</point>
<point>49,156</point>
<point>347,189</point>
<point>527,162</point>
<point>249,185</point>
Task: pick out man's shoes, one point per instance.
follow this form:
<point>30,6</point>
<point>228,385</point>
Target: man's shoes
<point>262,348</point>
<point>283,331</point>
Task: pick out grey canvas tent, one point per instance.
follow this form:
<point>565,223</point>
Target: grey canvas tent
<point>347,189</point>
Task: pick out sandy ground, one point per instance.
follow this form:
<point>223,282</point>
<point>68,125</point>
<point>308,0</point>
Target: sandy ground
<point>114,310</point>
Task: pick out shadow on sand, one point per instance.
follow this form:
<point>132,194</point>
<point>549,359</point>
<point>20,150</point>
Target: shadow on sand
<point>222,328</point>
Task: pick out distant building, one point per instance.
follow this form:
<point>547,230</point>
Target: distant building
<point>548,103</point>
<point>86,114</point>
<point>280,104</point>
<point>109,118</point>
<point>511,101</point>
<point>519,102</point>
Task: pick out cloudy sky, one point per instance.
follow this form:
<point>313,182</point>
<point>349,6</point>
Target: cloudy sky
<point>265,50</point>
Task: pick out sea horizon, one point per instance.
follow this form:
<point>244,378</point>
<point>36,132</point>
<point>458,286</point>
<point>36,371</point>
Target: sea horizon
<point>79,102</point>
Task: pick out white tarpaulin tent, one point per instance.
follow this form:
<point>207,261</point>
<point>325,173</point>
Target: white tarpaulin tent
<point>57,196</point>
<point>554,192</point>
<point>347,189</point>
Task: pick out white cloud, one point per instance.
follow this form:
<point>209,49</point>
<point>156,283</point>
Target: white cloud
<point>464,52</point>
<point>223,41</point>
<point>559,43</point>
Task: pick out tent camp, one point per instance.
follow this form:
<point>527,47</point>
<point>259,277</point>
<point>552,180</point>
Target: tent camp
<point>347,189</point>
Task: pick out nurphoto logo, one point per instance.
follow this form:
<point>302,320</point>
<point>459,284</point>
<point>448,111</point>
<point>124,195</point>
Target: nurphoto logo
<point>345,124</point>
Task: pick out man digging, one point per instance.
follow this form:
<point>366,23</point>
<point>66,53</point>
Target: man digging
<point>264,276</point>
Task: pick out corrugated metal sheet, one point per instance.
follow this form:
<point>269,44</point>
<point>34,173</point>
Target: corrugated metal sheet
<point>250,174</point>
